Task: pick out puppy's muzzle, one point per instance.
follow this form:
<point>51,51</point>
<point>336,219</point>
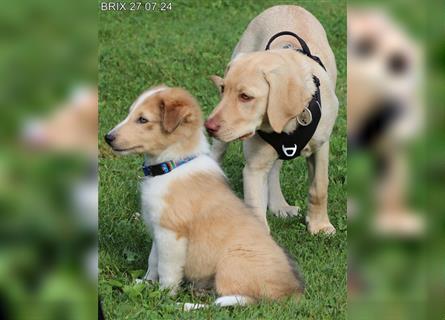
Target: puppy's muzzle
<point>109,138</point>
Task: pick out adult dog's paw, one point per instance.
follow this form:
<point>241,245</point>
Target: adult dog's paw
<point>316,227</point>
<point>286,211</point>
<point>402,224</point>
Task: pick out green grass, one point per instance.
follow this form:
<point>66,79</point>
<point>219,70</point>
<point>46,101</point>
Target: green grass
<point>182,48</point>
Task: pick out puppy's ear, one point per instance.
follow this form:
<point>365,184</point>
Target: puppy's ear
<point>174,112</point>
<point>289,94</point>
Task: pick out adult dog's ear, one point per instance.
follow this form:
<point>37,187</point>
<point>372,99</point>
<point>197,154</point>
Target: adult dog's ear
<point>289,94</point>
<point>218,82</point>
<point>174,112</point>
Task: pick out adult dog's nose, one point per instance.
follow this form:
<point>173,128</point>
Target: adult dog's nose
<point>109,138</point>
<point>212,126</point>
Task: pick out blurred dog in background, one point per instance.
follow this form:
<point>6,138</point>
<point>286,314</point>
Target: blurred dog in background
<point>385,112</point>
<point>72,128</point>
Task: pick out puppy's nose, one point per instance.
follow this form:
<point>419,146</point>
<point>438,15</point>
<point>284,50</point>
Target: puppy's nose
<point>212,126</point>
<point>109,138</point>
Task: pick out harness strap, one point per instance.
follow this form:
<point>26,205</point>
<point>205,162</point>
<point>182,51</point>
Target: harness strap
<point>375,126</point>
<point>304,47</point>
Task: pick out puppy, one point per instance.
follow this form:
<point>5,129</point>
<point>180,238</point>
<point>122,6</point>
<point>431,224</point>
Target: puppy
<point>201,231</point>
<point>72,129</point>
<point>267,91</point>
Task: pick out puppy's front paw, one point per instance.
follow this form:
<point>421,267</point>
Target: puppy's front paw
<point>285,211</point>
<point>139,281</point>
<point>323,227</point>
<point>172,290</point>
<point>150,276</point>
<point>171,286</point>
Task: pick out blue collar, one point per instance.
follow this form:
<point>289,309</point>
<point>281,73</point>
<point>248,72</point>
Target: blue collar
<point>164,167</point>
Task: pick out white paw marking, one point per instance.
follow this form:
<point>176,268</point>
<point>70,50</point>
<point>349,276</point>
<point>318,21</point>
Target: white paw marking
<point>227,301</point>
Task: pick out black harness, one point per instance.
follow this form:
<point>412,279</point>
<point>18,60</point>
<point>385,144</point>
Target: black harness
<point>377,123</point>
<point>304,47</point>
<point>289,145</point>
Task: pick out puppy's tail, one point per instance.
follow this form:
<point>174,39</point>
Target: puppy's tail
<point>225,301</point>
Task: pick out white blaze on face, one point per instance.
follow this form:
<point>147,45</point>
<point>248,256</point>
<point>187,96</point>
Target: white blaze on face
<point>139,101</point>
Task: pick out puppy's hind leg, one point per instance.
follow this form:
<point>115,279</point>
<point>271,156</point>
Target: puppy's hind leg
<point>224,301</point>
<point>260,158</point>
<point>277,204</point>
<point>235,300</point>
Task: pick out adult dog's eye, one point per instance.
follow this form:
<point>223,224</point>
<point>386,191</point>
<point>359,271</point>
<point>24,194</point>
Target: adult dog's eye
<point>222,89</point>
<point>244,97</point>
<point>142,120</point>
<point>398,64</point>
<point>365,47</point>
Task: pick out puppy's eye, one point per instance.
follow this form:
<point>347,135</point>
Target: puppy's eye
<point>141,120</point>
<point>245,98</point>
<point>222,89</point>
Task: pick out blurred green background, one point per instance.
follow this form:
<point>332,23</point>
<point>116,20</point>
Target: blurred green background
<point>405,278</point>
<point>46,48</point>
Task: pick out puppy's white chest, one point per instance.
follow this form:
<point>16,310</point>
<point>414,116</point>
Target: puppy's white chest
<point>153,191</point>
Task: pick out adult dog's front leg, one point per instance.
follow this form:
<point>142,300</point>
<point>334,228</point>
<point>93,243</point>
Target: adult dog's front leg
<point>394,215</point>
<point>218,150</point>
<point>277,203</point>
<point>255,190</point>
<point>171,253</point>
<point>260,158</point>
<point>317,217</point>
